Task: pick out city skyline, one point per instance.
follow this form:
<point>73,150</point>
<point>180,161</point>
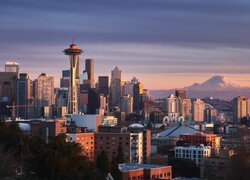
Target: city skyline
<point>170,44</point>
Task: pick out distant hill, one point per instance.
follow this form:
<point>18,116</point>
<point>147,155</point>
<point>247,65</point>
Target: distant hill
<point>217,86</point>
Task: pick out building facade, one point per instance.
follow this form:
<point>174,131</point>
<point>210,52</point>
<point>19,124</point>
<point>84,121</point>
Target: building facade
<point>194,153</point>
<point>241,108</point>
<point>43,92</point>
<point>198,110</point>
<point>133,171</point>
<point>103,84</point>
<point>212,140</point>
<point>115,87</point>
<point>24,96</point>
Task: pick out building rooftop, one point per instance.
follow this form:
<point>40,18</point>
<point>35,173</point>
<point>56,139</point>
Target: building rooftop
<point>132,166</point>
<point>24,127</point>
<point>177,130</point>
<point>136,125</point>
<point>201,146</point>
<point>11,63</point>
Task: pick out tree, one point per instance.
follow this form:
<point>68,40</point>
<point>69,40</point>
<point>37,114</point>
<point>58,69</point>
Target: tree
<point>60,160</point>
<point>7,162</point>
<point>120,156</point>
<point>102,162</point>
<point>115,172</point>
<point>184,168</point>
<point>13,144</point>
<point>240,165</point>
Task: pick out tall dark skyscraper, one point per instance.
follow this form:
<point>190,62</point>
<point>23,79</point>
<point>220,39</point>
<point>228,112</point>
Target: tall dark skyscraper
<point>93,101</point>
<point>103,82</point>
<point>137,95</point>
<point>181,93</point>
<point>24,96</point>
<point>89,68</point>
<point>115,86</point>
<point>7,91</point>
<point>65,80</point>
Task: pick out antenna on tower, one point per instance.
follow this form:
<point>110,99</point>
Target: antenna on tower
<point>73,40</point>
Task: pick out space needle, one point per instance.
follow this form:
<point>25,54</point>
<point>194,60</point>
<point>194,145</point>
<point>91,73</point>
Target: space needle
<point>74,59</point>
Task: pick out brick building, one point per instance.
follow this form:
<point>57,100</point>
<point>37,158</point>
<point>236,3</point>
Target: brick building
<point>199,138</point>
<point>136,143</point>
<point>84,138</point>
<point>133,171</point>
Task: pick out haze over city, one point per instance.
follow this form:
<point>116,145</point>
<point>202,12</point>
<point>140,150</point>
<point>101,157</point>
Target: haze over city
<point>170,44</point>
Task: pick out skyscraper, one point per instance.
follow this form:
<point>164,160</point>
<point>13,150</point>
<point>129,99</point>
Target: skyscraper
<point>103,82</point>
<point>65,80</point>
<point>7,91</point>
<point>210,115</point>
<point>89,68</point>
<point>84,92</point>
<point>93,101</point>
<point>198,110</point>
<point>241,106</point>
<point>12,67</point>
<point>137,98</point>
<point>115,86</point>
<point>61,97</point>
<point>74,58</point>
<point>44,92</point>
<point>127,104</point>
<point>173,106</point>
<point>24,96</point>
<point>180,93</point>
<point>185,107</point>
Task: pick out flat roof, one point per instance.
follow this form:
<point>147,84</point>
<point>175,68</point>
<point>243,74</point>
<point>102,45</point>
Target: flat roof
<point>133,166</point>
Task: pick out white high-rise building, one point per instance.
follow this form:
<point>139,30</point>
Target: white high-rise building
<point>173,105</point>
<point>185,107</point>
<point>241,108</point>
<point>198,110</point>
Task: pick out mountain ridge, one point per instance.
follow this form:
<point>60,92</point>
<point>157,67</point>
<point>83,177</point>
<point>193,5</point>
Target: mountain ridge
<point>217,82</point>
<point>217,86</point>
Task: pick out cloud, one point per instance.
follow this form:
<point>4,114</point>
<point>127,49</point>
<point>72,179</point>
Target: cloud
<point>140,36</point>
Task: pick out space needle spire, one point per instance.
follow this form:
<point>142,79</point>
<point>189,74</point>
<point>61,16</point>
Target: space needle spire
<point>74,58</point>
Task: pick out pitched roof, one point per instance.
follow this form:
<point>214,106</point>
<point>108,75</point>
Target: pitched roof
<point>177,130</point>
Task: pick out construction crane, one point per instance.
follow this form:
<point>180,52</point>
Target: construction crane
<point>14,107</point>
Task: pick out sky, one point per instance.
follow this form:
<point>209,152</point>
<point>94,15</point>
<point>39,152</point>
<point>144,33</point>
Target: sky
<point>164,43</point>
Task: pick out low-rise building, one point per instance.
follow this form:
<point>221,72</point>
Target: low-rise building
<point>52,128</point>
<point>109,120</point>
<point>90,121</point>
<point>194,153</point>
<point>134,171</point>
<point>135,143</point>
<point>200,138</point>
<point>85,139</point>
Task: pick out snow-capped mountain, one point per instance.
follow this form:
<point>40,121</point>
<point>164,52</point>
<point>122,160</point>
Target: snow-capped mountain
<point>215,83</point>
<point>217,86</point>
